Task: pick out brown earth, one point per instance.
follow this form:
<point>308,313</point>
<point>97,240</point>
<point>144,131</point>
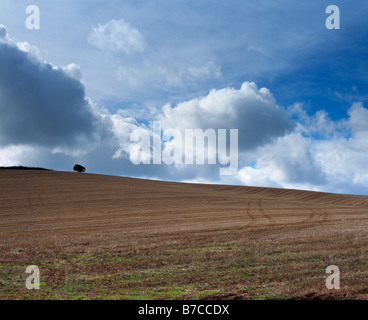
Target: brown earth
<point>105,237</point>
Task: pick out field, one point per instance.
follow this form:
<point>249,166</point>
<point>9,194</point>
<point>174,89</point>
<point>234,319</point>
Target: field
<point>104,237</point>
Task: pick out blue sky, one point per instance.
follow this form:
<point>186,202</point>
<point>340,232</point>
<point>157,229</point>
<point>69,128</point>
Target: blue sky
<point>131,58</point>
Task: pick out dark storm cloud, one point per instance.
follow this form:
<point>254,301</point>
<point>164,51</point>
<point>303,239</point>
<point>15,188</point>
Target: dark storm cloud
<point>40,104</point>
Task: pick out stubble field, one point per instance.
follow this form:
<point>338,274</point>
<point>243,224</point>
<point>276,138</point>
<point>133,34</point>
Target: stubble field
<point>104,237</point>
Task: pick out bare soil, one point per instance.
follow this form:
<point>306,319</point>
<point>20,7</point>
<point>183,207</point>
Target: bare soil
<point>104,237</point>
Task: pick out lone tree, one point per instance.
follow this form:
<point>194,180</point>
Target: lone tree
<point>79,168</point>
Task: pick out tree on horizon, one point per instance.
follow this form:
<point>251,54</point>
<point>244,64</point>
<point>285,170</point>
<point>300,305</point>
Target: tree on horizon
<point>79,168</point>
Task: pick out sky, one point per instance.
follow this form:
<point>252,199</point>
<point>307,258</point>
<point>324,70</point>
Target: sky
<point>74,90</point>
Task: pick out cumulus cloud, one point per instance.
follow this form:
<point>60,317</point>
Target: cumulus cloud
<point>320,154</point>
<point>3,32</point>
<point>117,36</point>
<point>31,50</point>
<point>40,104</point>
<point>73,71</point>
<point>13,155</point>
<point>288,162</point>
<point>251,110</point>
<point>122,128</point>
<point>358,119</point>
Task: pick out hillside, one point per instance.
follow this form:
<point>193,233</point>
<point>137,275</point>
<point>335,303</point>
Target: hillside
<point>154,239</point>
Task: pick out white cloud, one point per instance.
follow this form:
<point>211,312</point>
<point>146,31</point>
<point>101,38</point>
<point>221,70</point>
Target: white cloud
<point>73,71</point>
<point>288,162</point>
<point>13,155</point>
<point>210,69</point>
<point>3,32</point>
<point>334,161</point>
<point>358,118</point>
<point>227,108</point>
<point>32,50</point>
<point>158,69</point>
<point>166,75</point>
<point>251,110</point>
<point>117,36</point>
<point>122,128</point>
<point>317,124</point>
<point>175,75</point>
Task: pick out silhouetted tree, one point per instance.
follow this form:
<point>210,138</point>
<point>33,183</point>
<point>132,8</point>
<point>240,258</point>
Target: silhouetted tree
<point>79,168</point>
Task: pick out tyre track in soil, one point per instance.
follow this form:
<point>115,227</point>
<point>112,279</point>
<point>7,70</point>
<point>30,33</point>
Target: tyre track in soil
<point>320,216</point>
<point>271,221</point>
<point>326,216</point>
<point>312,219</point>
<point>253,219</point>
<point>316,217</point>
